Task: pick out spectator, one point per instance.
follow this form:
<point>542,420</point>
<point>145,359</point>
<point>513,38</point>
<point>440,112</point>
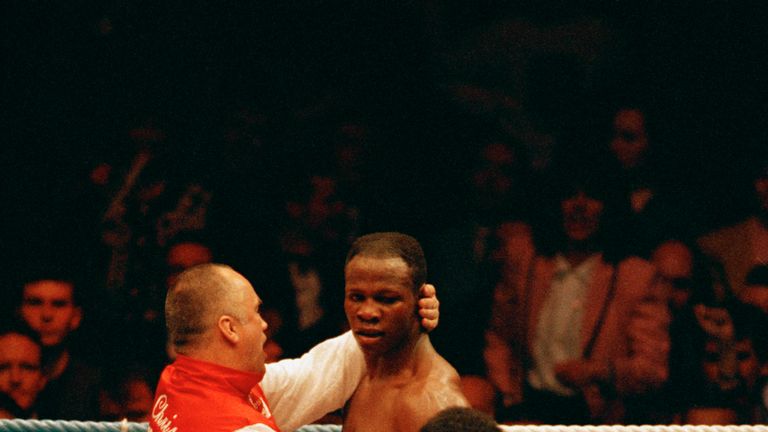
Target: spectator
<point>576,327</point>
<point>674,261</point>
<point>184,251</point>
<point>651,186</point>
<point>147,199</point>
<point>318,227</point>
<point>50,306</point>
<point>727,387</point>
<point>461,255</point>
<point>741,246</point>
<point>21,375</point>
<point>128,394</point>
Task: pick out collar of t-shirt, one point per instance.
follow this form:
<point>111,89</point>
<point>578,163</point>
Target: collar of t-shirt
<point>241,381</point>
<point>583,271</point>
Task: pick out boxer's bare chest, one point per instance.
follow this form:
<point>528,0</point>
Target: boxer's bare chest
<point>373,407</point>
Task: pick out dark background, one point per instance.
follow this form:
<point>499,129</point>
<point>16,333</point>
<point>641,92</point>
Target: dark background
<point>77,74</point>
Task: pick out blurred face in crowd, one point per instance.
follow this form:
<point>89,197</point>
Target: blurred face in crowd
<point>139,398</point>
<point>674,263</point>
<point>183,256</point>
<point>133,402</point>
<point>731,369</point>
<point>581,216</point>
<point>630,141</point>
<point>493,177</point>
<point>48,308</point>
<point>20,375</point>
<point>380,303</point>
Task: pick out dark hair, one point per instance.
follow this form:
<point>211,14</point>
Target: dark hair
<point>55,271</point>
<point>758,275</point>
<point>596,182</point>
<point>460,419</point>
<point>19,327</point>
<point>393,245</point>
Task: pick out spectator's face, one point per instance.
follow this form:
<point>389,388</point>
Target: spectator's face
<point>493,177</point>
<point>674,263</point>
<point>138,403</point>
<point>734,369</point>
<point>20,374</point>
<point>629,142</point>
<point>48,307</point>
<point>183,256</point>
<point>380,303</point>
<point>581,216</point>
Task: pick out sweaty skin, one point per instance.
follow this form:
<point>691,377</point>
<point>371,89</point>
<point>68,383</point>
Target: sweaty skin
<point>407,381</point>
<point>406,400</point>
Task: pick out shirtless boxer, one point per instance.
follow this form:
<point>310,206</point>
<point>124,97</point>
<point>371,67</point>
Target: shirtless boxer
<point>407,382</point>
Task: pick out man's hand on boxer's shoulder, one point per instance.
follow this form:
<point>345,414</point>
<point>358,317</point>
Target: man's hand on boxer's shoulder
<point>429,307</point>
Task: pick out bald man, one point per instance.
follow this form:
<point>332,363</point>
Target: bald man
<point>674,262</point>
<point>219,380</point>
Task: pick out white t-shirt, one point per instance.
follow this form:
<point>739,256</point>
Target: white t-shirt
<point>300,391</point>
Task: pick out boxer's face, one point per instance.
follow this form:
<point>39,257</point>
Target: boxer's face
<point>380,303</point>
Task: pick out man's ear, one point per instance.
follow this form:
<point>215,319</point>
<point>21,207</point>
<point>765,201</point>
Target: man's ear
<point>228,329</point>
<point>74,320</point>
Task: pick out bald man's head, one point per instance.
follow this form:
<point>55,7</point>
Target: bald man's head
<point>199,297</point>
<point>674,263</point>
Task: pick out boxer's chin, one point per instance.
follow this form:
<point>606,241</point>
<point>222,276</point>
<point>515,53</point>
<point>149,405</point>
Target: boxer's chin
<point>369,339</point>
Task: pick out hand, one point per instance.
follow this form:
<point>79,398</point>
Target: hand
<point>429,307</point>
<point>580,373</point>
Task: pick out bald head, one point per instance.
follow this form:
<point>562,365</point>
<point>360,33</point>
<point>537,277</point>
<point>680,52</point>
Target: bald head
<point>199,297</point>
<point>673,259</point>
<point>674,262</point>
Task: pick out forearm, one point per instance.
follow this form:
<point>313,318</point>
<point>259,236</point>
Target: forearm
<point>645,367</point>
<point>503,368</point>
<point>302,390</point>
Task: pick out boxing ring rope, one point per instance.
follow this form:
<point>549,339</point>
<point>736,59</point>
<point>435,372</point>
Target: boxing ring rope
<point>18,425</point>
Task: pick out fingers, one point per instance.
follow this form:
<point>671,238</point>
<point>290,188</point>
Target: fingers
<point>428,290</point>
<point>429,307</point>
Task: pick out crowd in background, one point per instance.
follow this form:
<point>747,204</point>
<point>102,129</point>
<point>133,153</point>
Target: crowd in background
<point>92,299</point>
<point>536,159</point>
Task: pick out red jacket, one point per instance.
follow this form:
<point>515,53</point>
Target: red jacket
<point>194,395</point>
